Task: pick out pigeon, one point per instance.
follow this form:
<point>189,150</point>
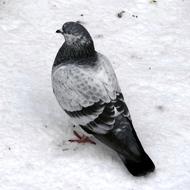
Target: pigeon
<point>86,87</point>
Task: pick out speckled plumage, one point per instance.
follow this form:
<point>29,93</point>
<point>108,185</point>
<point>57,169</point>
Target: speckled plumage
<point>86,87</point>
<point>82,85</point>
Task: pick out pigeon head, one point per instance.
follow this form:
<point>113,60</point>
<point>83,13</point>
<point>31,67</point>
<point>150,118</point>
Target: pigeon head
<point>75,34</point>
<point>78,42</point>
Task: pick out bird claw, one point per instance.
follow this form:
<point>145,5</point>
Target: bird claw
<point>81,139</point>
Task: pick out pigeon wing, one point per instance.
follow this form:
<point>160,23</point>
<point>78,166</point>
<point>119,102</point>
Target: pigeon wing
<point>90,96</point>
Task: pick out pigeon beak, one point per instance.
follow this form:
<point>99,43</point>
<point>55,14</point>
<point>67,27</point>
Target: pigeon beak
<point>59,31</point>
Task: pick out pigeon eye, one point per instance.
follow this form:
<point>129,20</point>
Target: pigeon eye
<point>63,29</point>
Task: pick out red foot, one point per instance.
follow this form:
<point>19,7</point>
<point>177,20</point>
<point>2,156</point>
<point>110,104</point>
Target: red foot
<point>81,139</point>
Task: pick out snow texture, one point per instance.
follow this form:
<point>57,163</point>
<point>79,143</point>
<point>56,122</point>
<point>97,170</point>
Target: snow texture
<point>149,47</point>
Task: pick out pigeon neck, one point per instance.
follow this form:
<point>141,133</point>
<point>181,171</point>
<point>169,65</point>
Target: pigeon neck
<point>68,52</point>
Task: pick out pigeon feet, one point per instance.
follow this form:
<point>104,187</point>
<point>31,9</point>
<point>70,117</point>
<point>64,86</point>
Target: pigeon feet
<point>81,139</point>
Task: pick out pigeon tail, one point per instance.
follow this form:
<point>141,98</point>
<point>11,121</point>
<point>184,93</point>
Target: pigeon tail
<point>137,161</point>
<point>138,168</point>
<point>123,139</point>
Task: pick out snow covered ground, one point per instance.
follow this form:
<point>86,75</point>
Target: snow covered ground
<point>149,47</point>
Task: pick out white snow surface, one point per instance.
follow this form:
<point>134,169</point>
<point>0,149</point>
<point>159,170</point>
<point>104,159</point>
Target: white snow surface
<point>150,54</point>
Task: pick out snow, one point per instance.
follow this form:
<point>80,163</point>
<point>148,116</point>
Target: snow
<point>150,54</point>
